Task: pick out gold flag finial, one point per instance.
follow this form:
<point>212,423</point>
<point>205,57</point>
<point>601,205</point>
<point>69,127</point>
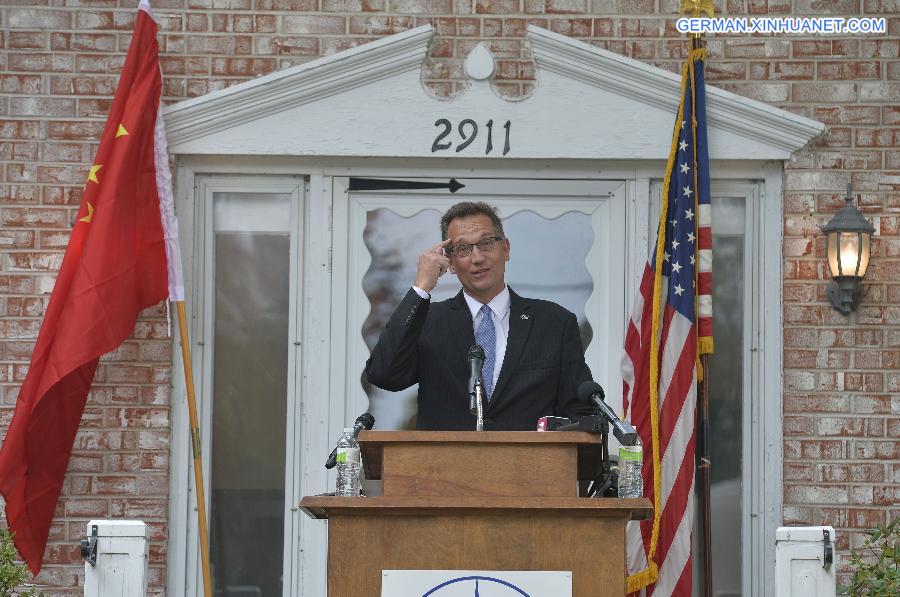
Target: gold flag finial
<point>695,8</point>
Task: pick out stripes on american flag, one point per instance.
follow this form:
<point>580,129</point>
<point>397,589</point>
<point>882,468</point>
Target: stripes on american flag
<point>670,326</point>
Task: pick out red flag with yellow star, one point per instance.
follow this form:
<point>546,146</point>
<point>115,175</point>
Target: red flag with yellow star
<point>122,258</point>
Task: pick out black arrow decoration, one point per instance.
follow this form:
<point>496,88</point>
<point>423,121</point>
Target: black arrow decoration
<point>382,184</point>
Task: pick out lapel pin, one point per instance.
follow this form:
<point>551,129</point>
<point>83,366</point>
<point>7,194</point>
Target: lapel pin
<point>523,316</point>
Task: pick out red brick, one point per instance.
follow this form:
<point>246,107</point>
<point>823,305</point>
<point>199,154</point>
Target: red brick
<point>16,239</point>
<point>799,359</point>
<point>322,24</point>
<point>501,7</point>
<point>876,450</point>
<point>879,92</point>
<point>83,85</point>
<point>640,27</point>
<point>797,515</point>
<point>780,70</point>
<point>243,67</point>
<point>70,130</point>
<point>137,417</point>
<point>31,217</point>
<point>92,42</point>
<point>847,114</point>
<point>574,28</point>
<point>839,426</point>
<point>153,485</point>
<point>813,494</point>
<point>26,40</point>
<point>797,426</point>
<point>821,449</point>
<point>90,508</point>
<point>112,485</point>
<point>866,518</point>
<point>62,152</point>
<point>94,19</point>
<point>37,18</point>
<point>293,5</point>
<point>764,92</point>
<point>794,471</point>
<point>197,22</point>
<point>824,92</point>
<point>17,285</point>
<point>371,25</point>
<point>153,440</point>
<point>141,509</point>
<point>849,71</point>
<point>34,62</point>
<point>101,63</point>
<point>850,160</point>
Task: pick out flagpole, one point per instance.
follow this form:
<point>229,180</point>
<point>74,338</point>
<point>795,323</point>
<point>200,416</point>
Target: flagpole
<point>703,467</point>
<point>703,457</point>
<point>195,447</point>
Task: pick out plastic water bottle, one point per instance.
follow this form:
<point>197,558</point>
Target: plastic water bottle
<point>631,460</point>
<point>347,465</point>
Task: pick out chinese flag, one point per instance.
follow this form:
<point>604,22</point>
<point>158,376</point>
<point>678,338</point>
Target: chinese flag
<point>122,258</point>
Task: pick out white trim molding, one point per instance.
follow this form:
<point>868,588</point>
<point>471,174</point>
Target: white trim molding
<point>658,87</point>
<point>369,101</point>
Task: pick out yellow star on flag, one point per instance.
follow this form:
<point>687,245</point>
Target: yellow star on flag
<point>121,132</point>
<point>92,175</point>
<point>88,218</point>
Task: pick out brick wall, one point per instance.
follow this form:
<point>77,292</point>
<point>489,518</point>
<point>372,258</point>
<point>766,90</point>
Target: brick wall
<point>58,70</point>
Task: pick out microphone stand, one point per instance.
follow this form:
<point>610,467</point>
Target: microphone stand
<point>479,404</point>
<point>606,478</point>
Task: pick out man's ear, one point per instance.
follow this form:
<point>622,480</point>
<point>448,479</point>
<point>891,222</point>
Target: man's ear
<point>452,269</point>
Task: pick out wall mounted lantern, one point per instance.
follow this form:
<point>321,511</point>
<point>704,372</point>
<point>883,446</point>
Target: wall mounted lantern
<point>849,244</point>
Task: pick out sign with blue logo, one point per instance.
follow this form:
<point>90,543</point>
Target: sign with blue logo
<point>475,583</point>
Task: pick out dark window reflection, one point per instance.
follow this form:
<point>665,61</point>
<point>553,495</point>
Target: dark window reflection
<point>249,411</point>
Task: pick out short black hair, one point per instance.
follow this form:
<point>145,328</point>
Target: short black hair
<point>471,208</point>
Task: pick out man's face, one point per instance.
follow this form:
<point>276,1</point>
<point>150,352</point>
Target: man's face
<point>480,273</point>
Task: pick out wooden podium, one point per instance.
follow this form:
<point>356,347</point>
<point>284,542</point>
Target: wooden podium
<point>467,500</point>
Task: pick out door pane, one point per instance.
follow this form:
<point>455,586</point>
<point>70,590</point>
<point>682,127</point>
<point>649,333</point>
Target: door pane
<point>726,399</point>
<point>252,257</point>
<point>547,261</point>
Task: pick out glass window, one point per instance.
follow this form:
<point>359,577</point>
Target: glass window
<point>726,400</point>
<point>547,261</point>
<point>249,402</point>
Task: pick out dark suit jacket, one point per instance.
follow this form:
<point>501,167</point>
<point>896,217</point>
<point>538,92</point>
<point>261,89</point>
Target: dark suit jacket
<point>428,344</point>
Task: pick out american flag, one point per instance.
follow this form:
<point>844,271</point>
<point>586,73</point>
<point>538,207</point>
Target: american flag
<point>670,327</point>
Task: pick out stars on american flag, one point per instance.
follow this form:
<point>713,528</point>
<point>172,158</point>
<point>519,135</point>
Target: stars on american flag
<point>680,259</point>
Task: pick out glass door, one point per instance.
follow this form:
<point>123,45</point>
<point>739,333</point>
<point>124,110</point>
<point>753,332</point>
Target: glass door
<point>565,237</point>
<point>251,281</point>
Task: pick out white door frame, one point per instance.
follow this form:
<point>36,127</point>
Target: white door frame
<point>317,414</point>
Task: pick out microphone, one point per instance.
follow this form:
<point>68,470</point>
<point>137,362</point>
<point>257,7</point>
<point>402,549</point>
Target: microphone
<point>591,392</point>
<point>364,422</point>
<point>476,364</point>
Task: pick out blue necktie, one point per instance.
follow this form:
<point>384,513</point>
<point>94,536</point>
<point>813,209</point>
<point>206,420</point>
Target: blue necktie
<point>486,337</point>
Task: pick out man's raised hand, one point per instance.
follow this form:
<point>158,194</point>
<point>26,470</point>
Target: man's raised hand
<point>433,263</point>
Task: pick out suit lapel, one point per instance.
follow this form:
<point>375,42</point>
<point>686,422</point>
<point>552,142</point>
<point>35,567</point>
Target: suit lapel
<point>520,319</point>
<point>461,329</point>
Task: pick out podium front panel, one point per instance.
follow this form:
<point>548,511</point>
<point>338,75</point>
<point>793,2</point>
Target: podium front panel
<point>361,547</point>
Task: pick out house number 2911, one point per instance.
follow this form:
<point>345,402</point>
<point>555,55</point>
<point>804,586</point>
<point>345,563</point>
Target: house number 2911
<point>467,130</point>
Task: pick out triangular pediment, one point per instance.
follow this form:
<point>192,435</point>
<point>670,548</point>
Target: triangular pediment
<point>369,101</point>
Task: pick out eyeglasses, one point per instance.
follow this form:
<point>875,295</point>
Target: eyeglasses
<point>485,245</point>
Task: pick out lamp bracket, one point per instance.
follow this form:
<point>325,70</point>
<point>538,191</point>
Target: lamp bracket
<point>844,293</point>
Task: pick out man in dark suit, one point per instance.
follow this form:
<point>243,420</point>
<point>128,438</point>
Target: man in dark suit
<point>534,358</point>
